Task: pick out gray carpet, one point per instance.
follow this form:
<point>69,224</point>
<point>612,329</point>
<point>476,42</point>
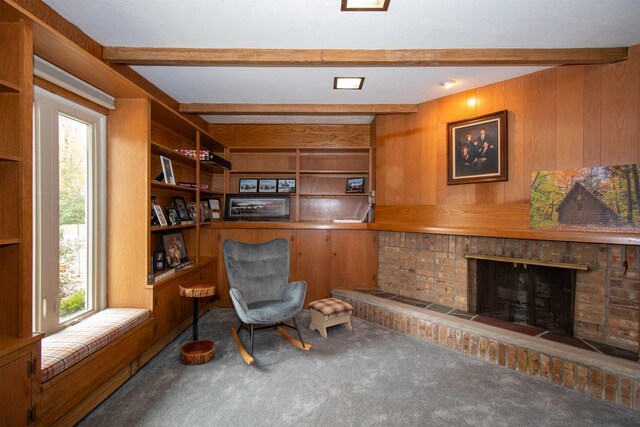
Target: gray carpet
<point>371,376</point>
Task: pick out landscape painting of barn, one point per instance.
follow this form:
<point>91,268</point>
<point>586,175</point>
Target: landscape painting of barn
<point>605,198</point>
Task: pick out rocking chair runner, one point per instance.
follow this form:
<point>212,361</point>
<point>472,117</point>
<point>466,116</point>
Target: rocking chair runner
<point>258,277</point>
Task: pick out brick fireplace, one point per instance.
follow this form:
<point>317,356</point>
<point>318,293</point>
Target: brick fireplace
<point>434,268</point>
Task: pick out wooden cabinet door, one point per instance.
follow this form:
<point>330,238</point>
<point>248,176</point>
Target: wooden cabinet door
<point>168,309</point>
<point>353,259</point>
<point>15,392</point>
<point>314,263</point>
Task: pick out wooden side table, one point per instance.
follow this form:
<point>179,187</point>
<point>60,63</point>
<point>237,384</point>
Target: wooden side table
<point>197,351</point>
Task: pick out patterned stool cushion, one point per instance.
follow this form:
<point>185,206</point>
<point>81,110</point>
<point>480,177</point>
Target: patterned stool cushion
<point>68,347</point>
<point>331,307</point>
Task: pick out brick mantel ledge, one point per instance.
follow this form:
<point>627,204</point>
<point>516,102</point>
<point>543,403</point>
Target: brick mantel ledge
<point>598,375</point>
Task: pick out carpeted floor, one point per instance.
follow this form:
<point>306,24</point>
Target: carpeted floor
<point>372,376</point>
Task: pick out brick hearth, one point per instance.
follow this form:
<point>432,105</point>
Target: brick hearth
<point>587,372</point>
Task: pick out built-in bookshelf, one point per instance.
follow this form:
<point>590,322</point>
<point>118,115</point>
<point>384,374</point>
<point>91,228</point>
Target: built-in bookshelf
<point>321,176</point>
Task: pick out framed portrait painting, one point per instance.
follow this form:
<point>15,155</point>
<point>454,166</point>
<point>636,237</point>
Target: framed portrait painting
<point>477,149</point>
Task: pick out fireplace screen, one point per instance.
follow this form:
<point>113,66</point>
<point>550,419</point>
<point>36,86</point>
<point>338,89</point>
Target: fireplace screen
<point>534,295</point>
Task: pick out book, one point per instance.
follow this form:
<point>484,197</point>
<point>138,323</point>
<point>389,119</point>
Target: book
<point>155,278</point>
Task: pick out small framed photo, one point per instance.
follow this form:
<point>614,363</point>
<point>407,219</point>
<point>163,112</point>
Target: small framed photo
<point>158,261</point>
<point>355,185</point>
<point>248,185</point>
<point>181,205</point>
<point>192,207</point>
<point>167,170</point>
<point>160,215</point>
<point>214,207</point>
<point>286,186</point>
<point>205,212</point>
<point>268,185</point>
<point>172,215</point>
<point>175,249</point>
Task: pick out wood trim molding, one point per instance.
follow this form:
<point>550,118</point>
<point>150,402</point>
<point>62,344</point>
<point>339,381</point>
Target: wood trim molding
<point>360,57</point>
<point>299,109</point>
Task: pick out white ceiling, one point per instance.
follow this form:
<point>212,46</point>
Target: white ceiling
<point>319,24</point>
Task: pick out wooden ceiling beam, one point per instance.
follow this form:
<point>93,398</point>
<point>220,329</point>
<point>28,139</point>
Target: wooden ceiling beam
<point>298,109</point>
<point>360,57</point>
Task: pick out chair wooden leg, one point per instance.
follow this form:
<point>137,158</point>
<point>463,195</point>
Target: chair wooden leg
<point>291,340</point>
<point>243,353</point>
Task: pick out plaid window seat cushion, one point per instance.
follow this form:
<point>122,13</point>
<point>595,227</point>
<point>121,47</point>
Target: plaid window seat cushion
<point>68,347</point>
<point>331,307</point>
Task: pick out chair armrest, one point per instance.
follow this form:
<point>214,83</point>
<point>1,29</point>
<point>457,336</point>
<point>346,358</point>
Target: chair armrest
<point>238,300</point>
<point>295,291</point>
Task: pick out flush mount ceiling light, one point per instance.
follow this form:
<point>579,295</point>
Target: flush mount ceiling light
<point>365,5</point>
<point>348,83</point>
<point>448,84</point>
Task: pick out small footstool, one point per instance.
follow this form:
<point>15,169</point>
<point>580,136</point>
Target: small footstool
<point>329,312</point>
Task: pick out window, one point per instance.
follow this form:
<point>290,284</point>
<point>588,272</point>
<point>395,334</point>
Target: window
<point>69,211</point>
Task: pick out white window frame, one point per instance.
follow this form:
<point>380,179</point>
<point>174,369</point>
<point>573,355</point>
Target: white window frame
<point>46,304</point>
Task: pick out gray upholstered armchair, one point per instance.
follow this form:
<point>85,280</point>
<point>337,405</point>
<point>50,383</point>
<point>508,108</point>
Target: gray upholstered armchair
<point>260,290</point>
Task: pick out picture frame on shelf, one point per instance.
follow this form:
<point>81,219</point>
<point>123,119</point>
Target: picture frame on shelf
<point>174,248</point>
<point>248,185</point>
<point>192,207</point>
<point>167,170</point>
<point>477,149</point>
<point>287,185</point>
<point>267,185</point>
<point>160,215</point>
<point>173,216</point>
<point>355,185</point>
<point>205,212</point>
<point>154,217</point>
<point>248,207</point>
<point>181,205</point>
<point>214,207</point>
<point>158,261</point>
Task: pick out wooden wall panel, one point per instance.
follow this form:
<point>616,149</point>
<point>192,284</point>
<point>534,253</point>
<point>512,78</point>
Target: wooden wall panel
<point>428,133</point>
<point>592,120</point>
<point>273,136</point>
<point>514,189</point>
<point>559,118</point>
<point>569,117</point>
<point>620,111</point>
<point>539,124</point>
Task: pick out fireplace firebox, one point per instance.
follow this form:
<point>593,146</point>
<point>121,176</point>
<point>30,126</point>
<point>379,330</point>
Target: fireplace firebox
<point>535,295</point>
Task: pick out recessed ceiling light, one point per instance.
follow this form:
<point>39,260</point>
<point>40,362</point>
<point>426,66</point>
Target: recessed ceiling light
<point>365,5</point>
<point>448,84</point>
<point>348,83</point>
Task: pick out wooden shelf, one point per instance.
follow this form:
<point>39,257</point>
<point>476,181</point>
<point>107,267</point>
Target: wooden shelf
<point>203,261</point>
<point>10,158</point>
<point>334,172</point>
<point>211,193</point>
<point>8,87</point>
<point>155,229</point>
<point>264,172</point>
<point>334,195</point>
<point>8,242</point>
<point>171,187</point>
<point>209,167</point>
<point>173,155</point>
<point>301,225</point>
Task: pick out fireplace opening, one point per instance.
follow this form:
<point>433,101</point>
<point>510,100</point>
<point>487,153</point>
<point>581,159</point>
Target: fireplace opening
<point>534,295</point>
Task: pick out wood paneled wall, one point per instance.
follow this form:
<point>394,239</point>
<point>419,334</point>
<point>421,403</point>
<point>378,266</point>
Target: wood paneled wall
<point>560,118</point>
<point>274,136</point>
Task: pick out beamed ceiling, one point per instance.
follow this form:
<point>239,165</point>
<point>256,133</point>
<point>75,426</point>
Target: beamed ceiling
<point>259,61</point>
